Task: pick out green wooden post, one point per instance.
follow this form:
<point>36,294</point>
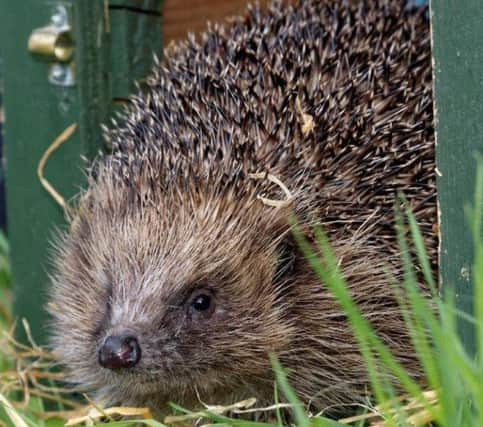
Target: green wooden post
<point>136,37</point>
<point>457,31</point>
<point>38,110</point>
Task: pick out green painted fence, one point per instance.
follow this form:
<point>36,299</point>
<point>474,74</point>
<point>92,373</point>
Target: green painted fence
<point>457,31</point>
<point>114,43</point>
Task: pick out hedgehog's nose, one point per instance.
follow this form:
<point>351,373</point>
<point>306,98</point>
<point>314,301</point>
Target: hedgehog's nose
<point>119,351</point>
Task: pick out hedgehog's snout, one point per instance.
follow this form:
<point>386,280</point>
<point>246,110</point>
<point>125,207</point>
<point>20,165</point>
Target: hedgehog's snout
<point>119,351</point>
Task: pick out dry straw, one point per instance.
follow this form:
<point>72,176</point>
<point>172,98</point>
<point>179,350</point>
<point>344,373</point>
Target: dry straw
<point>63,137</point>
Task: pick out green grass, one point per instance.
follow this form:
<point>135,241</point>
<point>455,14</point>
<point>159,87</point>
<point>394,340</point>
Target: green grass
<point>454,375</point>
<point>5,294</point>
<point>5,297</point>
<point>455,378</point>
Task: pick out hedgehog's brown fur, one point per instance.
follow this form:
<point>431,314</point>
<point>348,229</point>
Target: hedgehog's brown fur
<point>333,98</point>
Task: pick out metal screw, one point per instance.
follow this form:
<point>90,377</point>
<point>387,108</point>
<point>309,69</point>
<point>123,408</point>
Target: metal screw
<point>58,72</point>
<point>60,18</point>
<point>61,75</point>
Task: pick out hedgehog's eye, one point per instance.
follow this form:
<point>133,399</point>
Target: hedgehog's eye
<point>201,304</point>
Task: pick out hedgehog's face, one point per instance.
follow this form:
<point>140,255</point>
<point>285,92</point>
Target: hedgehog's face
<point>171,308</point>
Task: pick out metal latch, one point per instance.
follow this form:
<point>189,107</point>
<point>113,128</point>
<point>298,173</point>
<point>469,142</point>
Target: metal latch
<point>54,43</point>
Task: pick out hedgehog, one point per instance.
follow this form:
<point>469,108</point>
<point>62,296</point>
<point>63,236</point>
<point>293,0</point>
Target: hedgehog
<point>179,275</point>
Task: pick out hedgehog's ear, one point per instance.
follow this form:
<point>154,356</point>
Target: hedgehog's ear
<point>286,256</point>
<point>285,268</point>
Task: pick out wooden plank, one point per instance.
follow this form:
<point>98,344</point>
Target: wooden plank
<point>457,31</point>
<point>143,6</point>
<point>181,17</point>
<point>135,38</point>
<point>92,65</point>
